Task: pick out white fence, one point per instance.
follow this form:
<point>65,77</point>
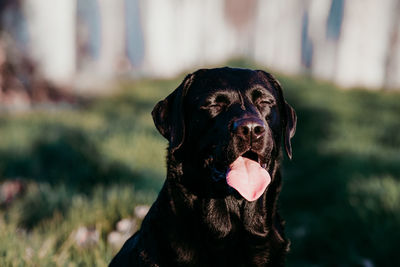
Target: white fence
<point>351,42</point>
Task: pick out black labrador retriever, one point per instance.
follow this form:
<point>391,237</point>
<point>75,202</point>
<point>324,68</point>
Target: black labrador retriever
<point>218,204</point>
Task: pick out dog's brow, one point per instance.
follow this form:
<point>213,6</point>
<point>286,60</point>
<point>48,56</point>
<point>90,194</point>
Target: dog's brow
<point>259,91</point>
<point>221,96</point>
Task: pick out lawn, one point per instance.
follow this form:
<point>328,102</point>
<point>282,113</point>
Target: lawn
<point>91,165</point>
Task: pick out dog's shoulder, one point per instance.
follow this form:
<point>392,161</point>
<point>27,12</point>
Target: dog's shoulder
<point>124,256</point>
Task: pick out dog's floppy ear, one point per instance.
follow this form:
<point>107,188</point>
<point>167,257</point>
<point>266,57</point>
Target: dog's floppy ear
<point>168,115</point>
<point>290,128</point>
<point>290,117</point>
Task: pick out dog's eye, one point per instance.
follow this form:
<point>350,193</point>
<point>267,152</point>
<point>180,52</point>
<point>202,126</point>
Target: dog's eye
<point>214,108</point>
<point>266,102</point>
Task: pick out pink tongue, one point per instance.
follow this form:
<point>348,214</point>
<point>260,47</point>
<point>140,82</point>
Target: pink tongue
<point>248,178</point>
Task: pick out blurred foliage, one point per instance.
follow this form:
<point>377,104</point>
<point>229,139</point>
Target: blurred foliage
<point>91,165</point>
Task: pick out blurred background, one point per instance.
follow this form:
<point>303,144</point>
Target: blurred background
<point>80,158</point>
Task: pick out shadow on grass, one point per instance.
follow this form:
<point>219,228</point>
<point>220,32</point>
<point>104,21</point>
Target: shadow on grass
<point>335,203</point>
<point>61,163</point>
<point>64,155</point>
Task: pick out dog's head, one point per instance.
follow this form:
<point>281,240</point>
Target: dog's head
<point>228,123</point>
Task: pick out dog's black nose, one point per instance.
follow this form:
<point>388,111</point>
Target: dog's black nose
<point>249,129</point>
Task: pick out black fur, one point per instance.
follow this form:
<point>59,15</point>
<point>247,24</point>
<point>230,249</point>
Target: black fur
<point>197,219</point>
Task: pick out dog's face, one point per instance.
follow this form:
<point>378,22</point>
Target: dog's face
<point>229,124</point>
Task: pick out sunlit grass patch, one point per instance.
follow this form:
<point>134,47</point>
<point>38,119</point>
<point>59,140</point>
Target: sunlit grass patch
<point>52,241</point>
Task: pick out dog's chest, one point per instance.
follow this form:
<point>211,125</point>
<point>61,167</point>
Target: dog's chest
<point>230,218</point>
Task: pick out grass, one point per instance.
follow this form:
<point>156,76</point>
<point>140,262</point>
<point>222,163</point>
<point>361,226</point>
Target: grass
<point>341,192</point>
<point>90,166</point>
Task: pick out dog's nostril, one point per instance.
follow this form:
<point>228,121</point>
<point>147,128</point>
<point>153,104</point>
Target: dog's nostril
<point>258,130</point>
<point>249,128</point>
<point>244,130</point>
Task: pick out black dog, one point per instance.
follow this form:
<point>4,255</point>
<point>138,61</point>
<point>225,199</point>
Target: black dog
<point>218,204</point>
